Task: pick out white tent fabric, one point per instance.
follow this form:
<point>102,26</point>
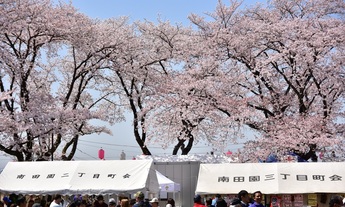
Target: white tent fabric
<point>167,185</point>
<point>79,177</point>
<point>272,178</point>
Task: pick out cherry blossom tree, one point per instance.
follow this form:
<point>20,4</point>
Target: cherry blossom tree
<point>192,105</point>
<point>292,56</point>
<point>200,101</point>
<point>52,96</point>
<point>86,68</point>
<point>140,69</point>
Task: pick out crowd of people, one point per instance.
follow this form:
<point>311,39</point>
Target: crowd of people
<point>244,199</point>
<point>80,201</point>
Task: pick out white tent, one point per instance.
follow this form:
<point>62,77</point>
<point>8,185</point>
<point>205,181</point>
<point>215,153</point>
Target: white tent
<point>272,178</point>
<point>167,185</point>
<point>79,177</point>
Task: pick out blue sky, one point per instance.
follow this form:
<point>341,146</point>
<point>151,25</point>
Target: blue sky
<point>176,11</point>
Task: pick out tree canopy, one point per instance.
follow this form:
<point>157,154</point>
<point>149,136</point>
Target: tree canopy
<point>276,69</point>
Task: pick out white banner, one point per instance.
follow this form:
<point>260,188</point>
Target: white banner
<point>79,177</point>
<point>272,178</point>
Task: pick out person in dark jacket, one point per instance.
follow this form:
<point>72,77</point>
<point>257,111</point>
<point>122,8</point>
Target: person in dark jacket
<point>336,201</point>
<point>140,200</point>
<point>221,203</point>
<point>209,202</point>
<point>197,201</point>
<point>243,195</point>
<point>100,202</point>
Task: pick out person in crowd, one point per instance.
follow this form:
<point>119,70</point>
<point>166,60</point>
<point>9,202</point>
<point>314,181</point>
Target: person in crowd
<point>124,203</point>
<point>170,203</point>
<point>209,202</point>
<point>30,203</point>
<point>57,201</point>
<point>235,203</point>
<point>336,201</point>
<point>243,195</point>
<point>140,200</point>
<point>257,196</point>
<point>75,202</point>
<point>221,202</point>
<point>154,202</point>
<point>147,203</point>
<point>100,202</point>
<point>197,201</point>
<point>44,202</point>
<point>214,201</point>
<point>112,202</point>
<point>132,202</point>
<point>37,202</point>
<point>21,201</point>
<point>7,201</point>
<point>119,202</point>
<point>78,203</point>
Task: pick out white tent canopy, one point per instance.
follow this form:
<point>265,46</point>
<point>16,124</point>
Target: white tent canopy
<point>79,177</point>
<point>272,178</point>
<point>167,185</point>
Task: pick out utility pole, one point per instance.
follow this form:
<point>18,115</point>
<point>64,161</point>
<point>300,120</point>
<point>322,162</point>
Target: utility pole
<point>51,150</point>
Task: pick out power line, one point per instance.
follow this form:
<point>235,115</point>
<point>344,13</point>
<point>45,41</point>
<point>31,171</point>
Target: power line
<point>136,146</point>
<point>118,145</point>
<point>87,154</point>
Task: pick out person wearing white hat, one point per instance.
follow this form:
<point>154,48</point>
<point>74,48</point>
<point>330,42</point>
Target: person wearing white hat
<point>154,202</point>
<point>112,202</point>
